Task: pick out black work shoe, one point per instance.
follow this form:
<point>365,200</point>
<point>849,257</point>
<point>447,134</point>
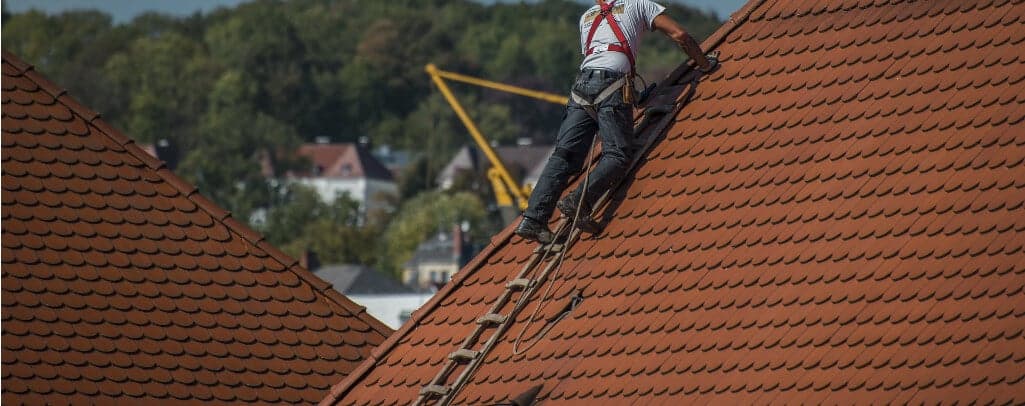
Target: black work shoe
<point>533,230</point>
<point>589,225</point>
<point>568,207</point>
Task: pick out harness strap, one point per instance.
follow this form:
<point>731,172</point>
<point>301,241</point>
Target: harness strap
<point>604,94</point>
<point>623,46</point>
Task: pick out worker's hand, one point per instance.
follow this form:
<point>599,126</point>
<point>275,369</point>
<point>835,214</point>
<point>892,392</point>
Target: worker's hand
<point>713,62</point>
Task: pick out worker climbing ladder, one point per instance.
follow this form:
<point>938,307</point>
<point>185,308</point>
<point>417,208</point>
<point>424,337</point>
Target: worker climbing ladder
<point>471,352</point>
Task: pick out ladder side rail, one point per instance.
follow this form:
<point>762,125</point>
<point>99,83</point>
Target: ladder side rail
<point>537,257</point>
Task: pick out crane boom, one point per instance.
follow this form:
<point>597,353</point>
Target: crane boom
<point>499,174</point>
<point>458,77</point>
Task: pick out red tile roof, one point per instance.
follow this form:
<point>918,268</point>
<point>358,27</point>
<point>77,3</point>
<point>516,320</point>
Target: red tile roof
<point>837,216</point>
<point>347,160</point>
<point>122,284</point>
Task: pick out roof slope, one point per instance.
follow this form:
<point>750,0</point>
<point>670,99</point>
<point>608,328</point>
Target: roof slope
<point>836,216</point>
<point>122,284</point>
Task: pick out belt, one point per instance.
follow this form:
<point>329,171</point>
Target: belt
<point>604,94</point>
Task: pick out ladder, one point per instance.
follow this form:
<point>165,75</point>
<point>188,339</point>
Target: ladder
<point>523,284</point>
<point>469,353</point>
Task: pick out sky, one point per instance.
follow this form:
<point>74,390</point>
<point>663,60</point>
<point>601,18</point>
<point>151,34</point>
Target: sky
<point>124,10</point>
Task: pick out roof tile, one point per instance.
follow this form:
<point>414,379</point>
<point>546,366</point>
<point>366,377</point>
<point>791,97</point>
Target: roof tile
<point>118,288</point>
<point>834,216</point>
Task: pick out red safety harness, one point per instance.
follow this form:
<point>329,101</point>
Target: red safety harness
<point>623,45</point>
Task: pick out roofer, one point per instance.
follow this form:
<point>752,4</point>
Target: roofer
<point>602,99</point>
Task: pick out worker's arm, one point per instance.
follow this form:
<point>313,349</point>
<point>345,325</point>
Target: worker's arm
<point>671,29</point>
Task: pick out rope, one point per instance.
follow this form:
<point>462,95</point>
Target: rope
<point>683,98</point>
<point>558,266</point>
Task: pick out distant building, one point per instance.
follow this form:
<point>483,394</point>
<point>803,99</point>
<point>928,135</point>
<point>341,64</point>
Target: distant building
<point>392,309</point>
<point>163,150</point>
<point>359,280</point>
<point>385,298</point>
<point>437,259</point>
<point>394,159</point>
<point>347,168</point>
<point>524,162</point>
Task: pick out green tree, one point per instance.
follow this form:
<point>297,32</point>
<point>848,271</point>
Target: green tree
<point>303,221</point>
<point>236,90</point>
<point>165,78</point>
<point>426,214</point>
<point>259,41</point>
<point>236,142</point>
<point>70,48</point>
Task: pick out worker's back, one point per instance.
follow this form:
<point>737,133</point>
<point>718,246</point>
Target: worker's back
<point>634,18</point>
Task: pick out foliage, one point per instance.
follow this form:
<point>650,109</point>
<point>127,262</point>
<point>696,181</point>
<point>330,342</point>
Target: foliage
<point>303,221</point>
<point>427,214</point>
<point>241,87</point>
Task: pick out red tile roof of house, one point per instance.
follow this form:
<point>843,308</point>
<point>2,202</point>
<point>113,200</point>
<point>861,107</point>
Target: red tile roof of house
<point>122,284</point>
<point>836,216</point>
<point>346,160</point>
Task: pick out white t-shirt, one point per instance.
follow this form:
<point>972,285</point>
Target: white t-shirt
<point>634,18</point>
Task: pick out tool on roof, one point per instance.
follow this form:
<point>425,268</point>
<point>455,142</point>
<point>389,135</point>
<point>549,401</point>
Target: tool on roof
<point>506,188</point>
<point>470,354</point>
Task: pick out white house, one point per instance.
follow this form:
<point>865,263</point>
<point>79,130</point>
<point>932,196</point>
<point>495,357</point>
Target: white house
<point>347,168</point>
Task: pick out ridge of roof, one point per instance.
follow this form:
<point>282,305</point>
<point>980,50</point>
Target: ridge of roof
<point>504,236</point>
<point>87,210</point>
<point>190,192</point>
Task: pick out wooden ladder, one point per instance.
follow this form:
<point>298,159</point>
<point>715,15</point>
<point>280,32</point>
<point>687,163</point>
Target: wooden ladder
<point>472,356</point>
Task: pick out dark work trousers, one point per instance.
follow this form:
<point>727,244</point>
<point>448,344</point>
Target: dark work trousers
<point>614,124</point>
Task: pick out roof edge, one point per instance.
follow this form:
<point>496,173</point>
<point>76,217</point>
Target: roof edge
<point>499,240</point>
<point>190,192</point>
<point>713,41</point>
<point>19,64</point>
<point>343,387</point>
<point>736,19</point>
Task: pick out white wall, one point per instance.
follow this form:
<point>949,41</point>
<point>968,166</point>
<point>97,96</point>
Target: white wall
<point>390,308</point>
<point>328,188</point>
<point>364,191</point>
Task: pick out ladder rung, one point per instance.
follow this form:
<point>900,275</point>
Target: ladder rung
<point>463,355</point>
<point>519,284</point>
<point>491,318</point>
<point>552,248</point>
<point>438,390</point>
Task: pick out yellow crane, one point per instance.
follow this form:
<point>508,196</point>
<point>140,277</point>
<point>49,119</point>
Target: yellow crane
<point>505,187</point>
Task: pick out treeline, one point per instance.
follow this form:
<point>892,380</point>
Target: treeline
<point>232,87</point>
